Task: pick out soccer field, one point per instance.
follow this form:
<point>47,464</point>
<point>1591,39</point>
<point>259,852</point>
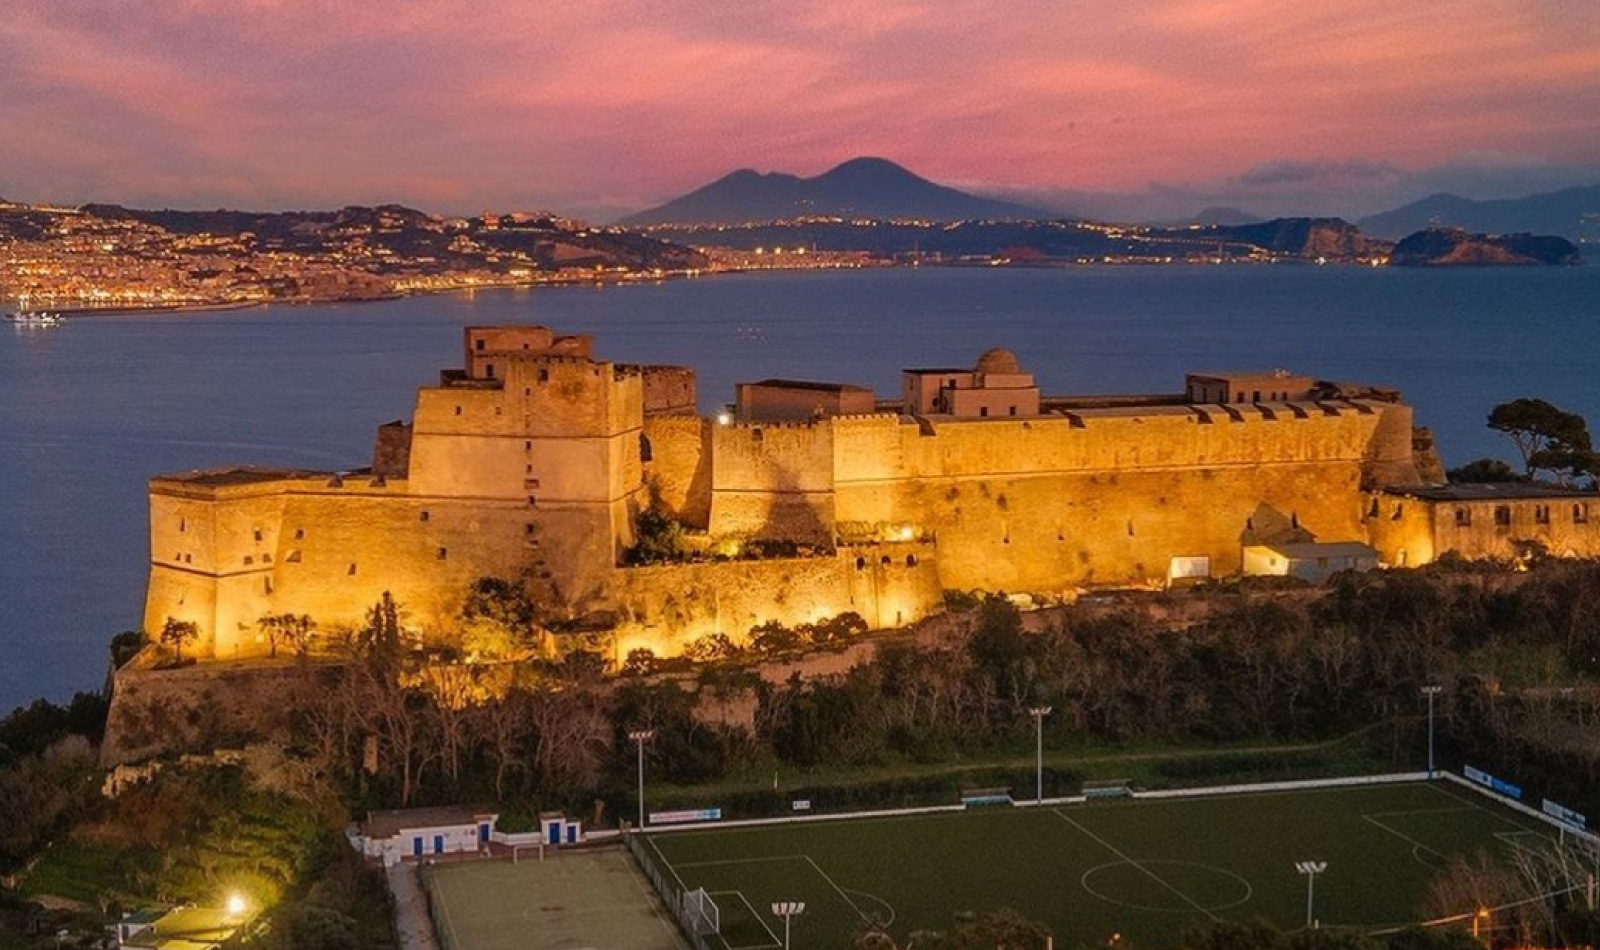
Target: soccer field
<point>572,901</point>
<point>1145,869</point>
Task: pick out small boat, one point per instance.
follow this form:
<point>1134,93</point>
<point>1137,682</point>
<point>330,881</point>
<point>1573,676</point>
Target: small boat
<point>25,317</point>
<point>34,318</point>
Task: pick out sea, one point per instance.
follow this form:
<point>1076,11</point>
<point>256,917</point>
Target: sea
<point>90,410</point>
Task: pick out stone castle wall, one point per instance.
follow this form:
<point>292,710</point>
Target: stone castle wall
<point>532,464</point>
<point>1408,531</point>
<point>664,608</point>
<point>679,470</point>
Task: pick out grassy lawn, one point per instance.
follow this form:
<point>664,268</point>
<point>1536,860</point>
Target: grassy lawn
<point>1145,869</point>
<point>77,872</point>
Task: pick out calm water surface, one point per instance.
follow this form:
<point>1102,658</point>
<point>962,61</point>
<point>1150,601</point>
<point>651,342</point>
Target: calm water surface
<point>90,410</point>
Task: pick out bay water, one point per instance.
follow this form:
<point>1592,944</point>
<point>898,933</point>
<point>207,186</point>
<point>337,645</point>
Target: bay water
<point>90,410</point>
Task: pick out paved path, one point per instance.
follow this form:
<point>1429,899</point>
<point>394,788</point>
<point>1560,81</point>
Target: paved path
<point>411,919</point>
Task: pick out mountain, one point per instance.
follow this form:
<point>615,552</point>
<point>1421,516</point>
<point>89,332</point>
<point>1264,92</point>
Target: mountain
<point>1453,247</point>
<point>1554,212</point>
<point>860,188</point>
<point>1208,217</point>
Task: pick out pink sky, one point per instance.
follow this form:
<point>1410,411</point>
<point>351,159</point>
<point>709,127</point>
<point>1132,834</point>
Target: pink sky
<point>583,106</point>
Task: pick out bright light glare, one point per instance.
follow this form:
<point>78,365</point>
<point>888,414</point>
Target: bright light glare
<point>235,904</point>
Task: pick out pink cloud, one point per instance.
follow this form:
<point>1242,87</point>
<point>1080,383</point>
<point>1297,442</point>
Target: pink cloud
<point>474,104</point>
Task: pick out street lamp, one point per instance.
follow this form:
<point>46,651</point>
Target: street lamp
<point>1431,692</point>
<point>1038,713</point>
<point>1310,869</point>
<point>786,910</point>
<point>641,736</point>
<point>1479,919</point>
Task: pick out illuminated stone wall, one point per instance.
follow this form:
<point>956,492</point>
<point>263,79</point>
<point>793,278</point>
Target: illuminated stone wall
<point>664,608</point>
<point>1103,496</point>
<point>679,470</point>
<point>530,465</point>
<point>1409,530</point>
<point>773,481</point>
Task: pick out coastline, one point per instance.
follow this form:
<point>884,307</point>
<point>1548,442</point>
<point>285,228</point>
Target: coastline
<point>634,277</point>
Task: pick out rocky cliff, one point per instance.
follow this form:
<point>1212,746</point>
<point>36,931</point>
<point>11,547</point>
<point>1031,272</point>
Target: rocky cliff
<point>1452,247</point>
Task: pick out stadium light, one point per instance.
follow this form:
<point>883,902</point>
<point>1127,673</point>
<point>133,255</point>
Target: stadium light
<point>1311,869</point>
<point>787,910</point>
<point>1431,692</point>
<point>641,736</point>
<point>1038,713</point>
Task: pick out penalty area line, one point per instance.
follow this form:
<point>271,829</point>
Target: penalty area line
<point>1147,872</point>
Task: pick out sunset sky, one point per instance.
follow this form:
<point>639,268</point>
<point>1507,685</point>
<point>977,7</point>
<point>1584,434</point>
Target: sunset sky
<point>604,106</point>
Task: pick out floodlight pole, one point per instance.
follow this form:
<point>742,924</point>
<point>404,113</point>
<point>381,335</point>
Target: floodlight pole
<point>788,910</point>
<point>641,736</point>
<point>1431,692</point>
<point>1038,713</point>
<point>1311,869</point>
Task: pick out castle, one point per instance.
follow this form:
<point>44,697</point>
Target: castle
<point>534,460</point>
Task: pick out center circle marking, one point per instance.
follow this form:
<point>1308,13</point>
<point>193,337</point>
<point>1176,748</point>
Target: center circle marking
<point>1181,905</point>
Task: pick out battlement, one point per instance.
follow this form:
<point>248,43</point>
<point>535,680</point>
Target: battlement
<point>535,459</point>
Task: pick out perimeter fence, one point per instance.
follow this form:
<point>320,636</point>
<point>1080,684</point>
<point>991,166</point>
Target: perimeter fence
<point>694,911</point>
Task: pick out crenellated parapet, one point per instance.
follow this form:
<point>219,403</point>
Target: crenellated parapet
<point>533,460</point>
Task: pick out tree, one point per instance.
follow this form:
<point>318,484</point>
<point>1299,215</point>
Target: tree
<point>1545,436</point>
<point>178,632</point>
<point>297,631</point>
<point>1484,470</point>
<point>293,629</point>
<point>658,538</point>
<point>379,639</point>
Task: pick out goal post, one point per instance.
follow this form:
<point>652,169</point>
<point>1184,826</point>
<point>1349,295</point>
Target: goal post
<point>703,913</point>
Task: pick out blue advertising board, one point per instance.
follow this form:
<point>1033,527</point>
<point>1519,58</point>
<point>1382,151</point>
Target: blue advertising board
<point>1489,781</point>
<point>1565,815</point>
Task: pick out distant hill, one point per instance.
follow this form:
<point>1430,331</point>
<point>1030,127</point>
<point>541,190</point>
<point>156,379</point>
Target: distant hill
<point>860,188</point>
<point>1453,247</point>
<point>1208,217</point>
<point>1555,212</point>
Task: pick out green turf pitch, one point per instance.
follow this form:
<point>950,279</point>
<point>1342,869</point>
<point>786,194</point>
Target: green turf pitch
<point>569,901</point>
<point>1144,869</point>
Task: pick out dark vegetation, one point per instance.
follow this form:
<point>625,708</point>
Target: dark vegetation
<point>1518,654</point>
<point>1550,442</point>
<point>73,859</point>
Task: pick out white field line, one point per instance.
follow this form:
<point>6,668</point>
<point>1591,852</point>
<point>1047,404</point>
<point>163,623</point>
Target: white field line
<point>653,901</point>
<point>663,859</point>
<point>1416,845</point>
<point>1592,840</point>
<point>853,905</point>
<point>1211,791</point>
<point>776,857</point>
<point>1149,873</point>
<point>757,915</point>
<point>444,906</point>
<point>786,857</point>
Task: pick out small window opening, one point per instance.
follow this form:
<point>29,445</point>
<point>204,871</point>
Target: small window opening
<point>424,515</point>
<point>1502,516</point>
